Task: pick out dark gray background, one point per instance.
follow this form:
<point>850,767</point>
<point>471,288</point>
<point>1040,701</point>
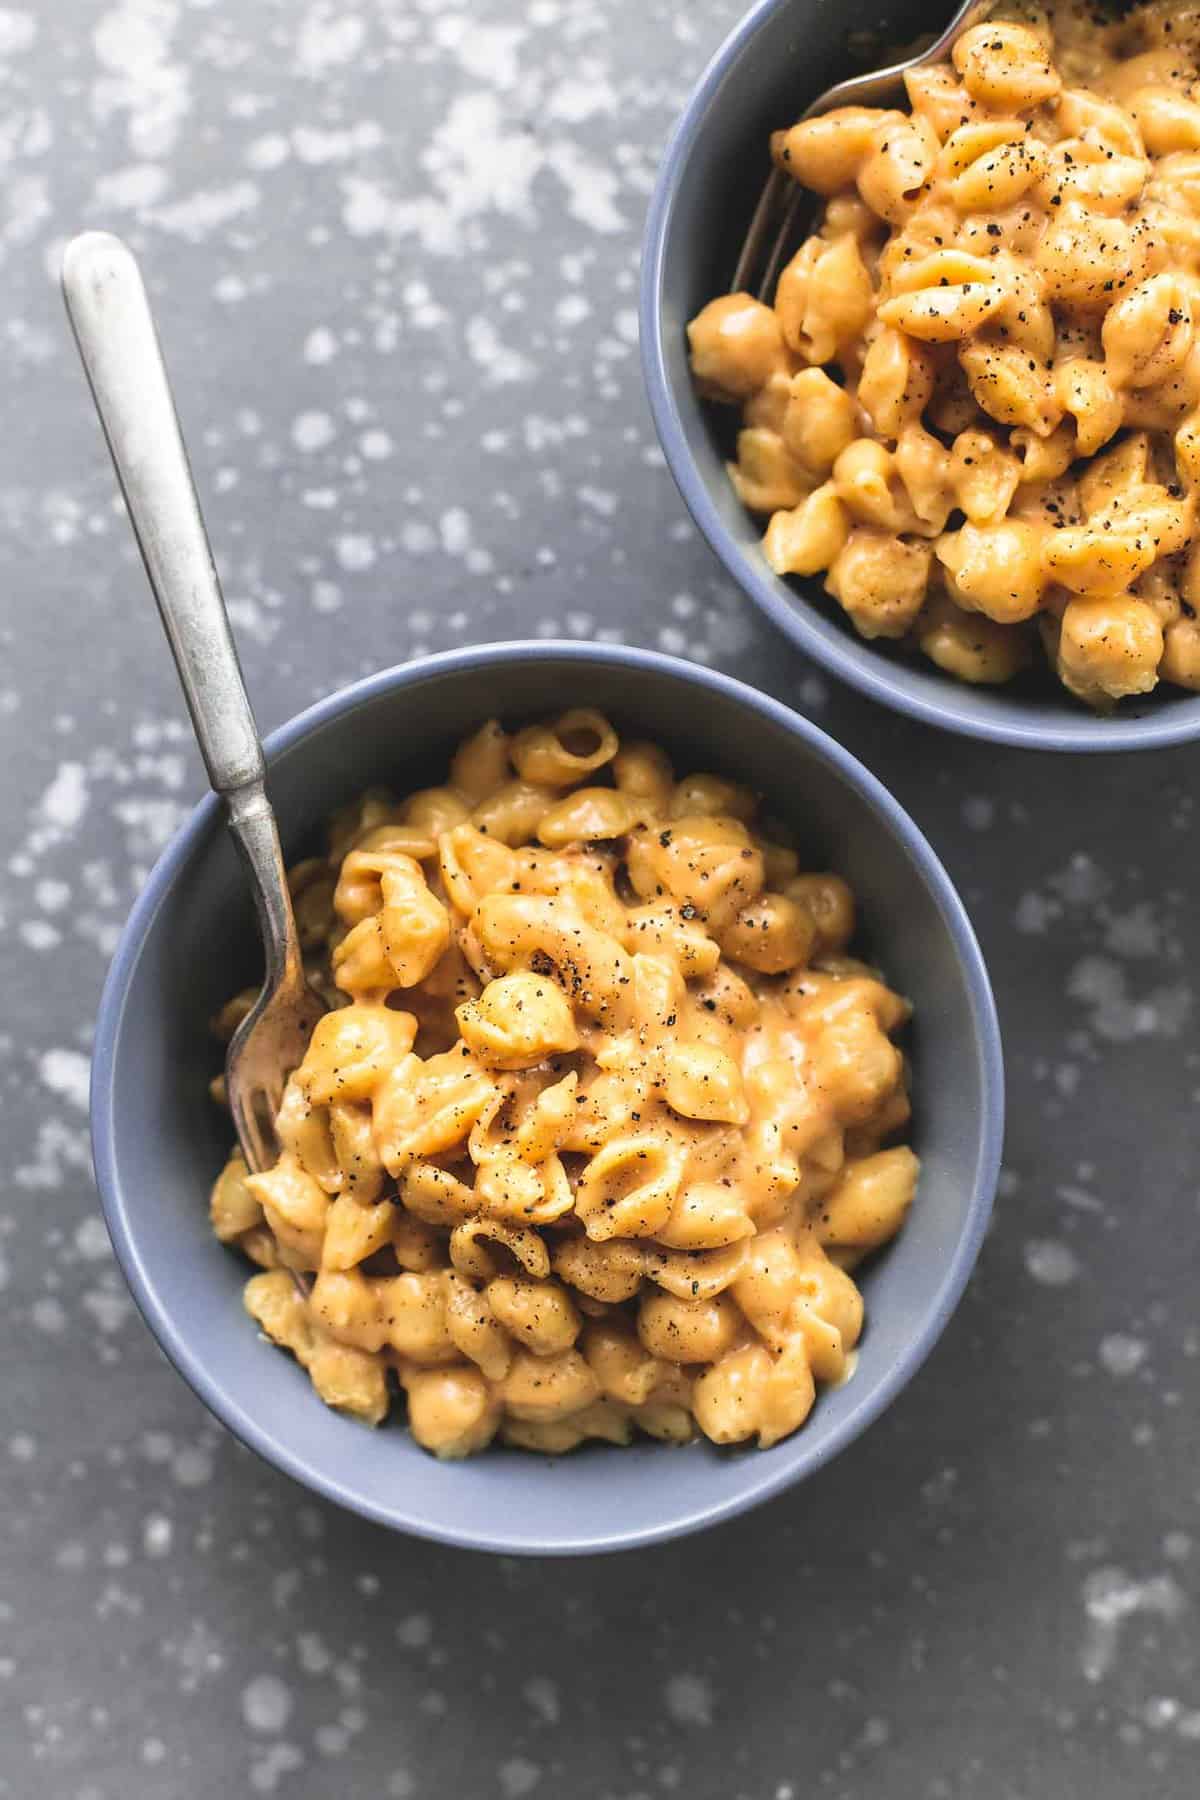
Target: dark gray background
<point>394,250</point>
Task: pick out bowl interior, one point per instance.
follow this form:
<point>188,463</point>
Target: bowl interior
<point>782,55</point>
<point>192,942</point>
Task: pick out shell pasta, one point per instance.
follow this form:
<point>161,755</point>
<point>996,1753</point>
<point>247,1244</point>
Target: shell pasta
<point>601,1117</point>
<point>974,403</point>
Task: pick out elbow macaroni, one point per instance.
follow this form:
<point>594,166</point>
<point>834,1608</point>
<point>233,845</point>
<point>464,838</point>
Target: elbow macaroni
<point>1000,297</point>
<point>599,1117</point>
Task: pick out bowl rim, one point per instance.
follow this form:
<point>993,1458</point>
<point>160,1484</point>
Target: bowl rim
<point>271,1443</point>
<point>842,655</point>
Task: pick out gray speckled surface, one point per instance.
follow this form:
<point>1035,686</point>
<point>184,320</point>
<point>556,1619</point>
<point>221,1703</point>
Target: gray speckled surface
<point>394,249</point>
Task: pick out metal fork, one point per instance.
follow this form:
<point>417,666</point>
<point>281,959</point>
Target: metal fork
<point>110,316</point>
<point>773,227</point>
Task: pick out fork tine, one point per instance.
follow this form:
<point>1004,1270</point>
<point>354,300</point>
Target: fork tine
<point>261,1148</point>
<point>252,1138</point>
<point>248,1115</point>
<point>265,1108</point>
<point>769,200</point>
<point>792,210</point>
<point>869,89</point>
<point>780,208</point>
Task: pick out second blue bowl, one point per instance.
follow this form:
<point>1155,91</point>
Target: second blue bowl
<point>781,56</point>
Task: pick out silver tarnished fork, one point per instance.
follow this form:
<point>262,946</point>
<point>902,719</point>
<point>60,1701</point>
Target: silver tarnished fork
<point>110,316</point>
<point>782,204</point>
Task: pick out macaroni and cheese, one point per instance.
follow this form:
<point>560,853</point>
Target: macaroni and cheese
<point>601,1117</point>
<point>974,403</point>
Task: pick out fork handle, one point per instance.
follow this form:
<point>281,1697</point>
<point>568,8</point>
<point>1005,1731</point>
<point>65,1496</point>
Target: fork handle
<point>110,316</point>
<point>256,834</point>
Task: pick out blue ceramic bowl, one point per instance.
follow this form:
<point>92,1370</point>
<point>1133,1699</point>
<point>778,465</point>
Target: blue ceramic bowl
<point>782,54</point>
<point>191,941</point>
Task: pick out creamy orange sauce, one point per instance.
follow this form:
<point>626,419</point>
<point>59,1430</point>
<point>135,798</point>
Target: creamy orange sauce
<point>973,404</point>
<point>601,1117</point>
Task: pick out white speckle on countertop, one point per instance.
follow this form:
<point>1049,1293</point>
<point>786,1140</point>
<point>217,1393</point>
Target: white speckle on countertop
<point>49,1315</point>
<point>17,31</point>
<point>68,1073</point>
<point>1102,986</point>
<point>543,1697</point>
<point>1051,1263</point>
<point>317,147</point>
<point>110,1308</point>
<point>39,934</point>
<point>51,895</point>
<point>192,1466</point>
<point>329,39</point>
<point>158,1534</point>
<point>415,1631</point>
<point>326,596</point>
<point>688,1699</point>
<point>92,1240</point>
<point>65,799</point>
<point>266,1704</point>
<point>1121,1354</point>
<point>131,188</point>
<point>200,214</point>
<point>355,550</point>
<point>1034,913</point>
<point>500,363</point>
<point>268,152</point>
<point>1110,1597</point>
<point>272,1763</point>
<point>518,1777</point>
<point>477,165</point>
<point>590,187</point>
<point>312,431</point>
<point>320,346</point>
<point>132,43</point>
